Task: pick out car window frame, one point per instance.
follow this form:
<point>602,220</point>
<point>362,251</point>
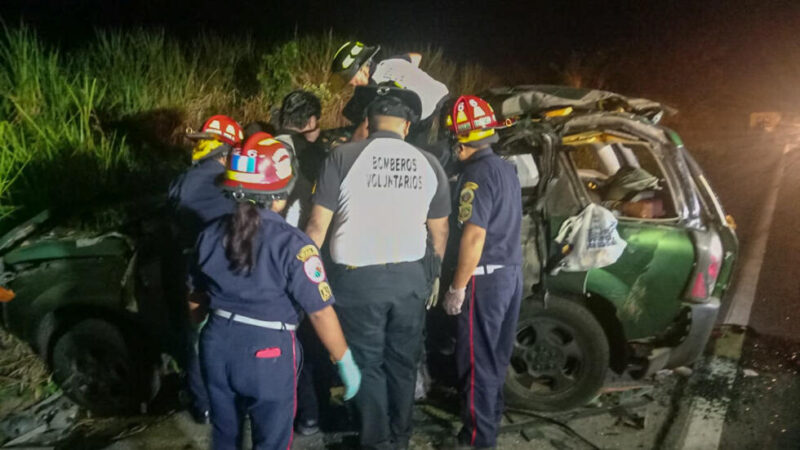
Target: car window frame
<point>584,194</point>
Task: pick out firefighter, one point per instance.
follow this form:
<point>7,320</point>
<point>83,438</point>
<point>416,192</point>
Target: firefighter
<point>383,197</point>
<point>354,64</point>
<point>488,272</point>
<point>196,200</point>
<point>257,272</point>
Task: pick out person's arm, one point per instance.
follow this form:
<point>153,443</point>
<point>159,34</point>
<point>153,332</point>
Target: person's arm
<point>470,250</point>
<point>325,196</point>
<point>198,307</point>
<point>439,229</point>
<point>326,324</point>
<point>318,223</point>
<point>309,288</point>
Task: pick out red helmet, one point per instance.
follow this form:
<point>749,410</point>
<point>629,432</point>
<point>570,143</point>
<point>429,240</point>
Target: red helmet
<point>474,119</point>
<point>221,128</point>
<point>263,165</point>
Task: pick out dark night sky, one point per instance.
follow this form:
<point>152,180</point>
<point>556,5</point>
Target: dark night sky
<point>485,28</point>
<point>693,38</point>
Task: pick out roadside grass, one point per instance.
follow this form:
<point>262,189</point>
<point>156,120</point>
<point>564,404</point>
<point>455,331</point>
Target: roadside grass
<point>105,121</point>
<point>24,378</point>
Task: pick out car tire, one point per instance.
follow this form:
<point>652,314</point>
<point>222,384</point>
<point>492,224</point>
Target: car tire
<point>560,357</point>
<point>96,366</point>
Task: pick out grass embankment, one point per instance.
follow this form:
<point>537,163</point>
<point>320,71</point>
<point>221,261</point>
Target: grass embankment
<point>104,121</point>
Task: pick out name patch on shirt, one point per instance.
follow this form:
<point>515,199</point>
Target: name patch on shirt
<point>394,173</point>
<point>307,252</point>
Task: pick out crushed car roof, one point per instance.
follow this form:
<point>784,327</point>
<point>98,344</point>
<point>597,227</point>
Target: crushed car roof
<point>533,99</point>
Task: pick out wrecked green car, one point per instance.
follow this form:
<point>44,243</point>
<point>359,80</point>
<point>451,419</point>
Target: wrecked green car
<point>654,307</point>
<point>89,290</point>
<point>89,300</point>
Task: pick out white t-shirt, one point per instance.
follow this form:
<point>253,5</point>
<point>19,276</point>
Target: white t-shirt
<point>381,191</point>
<point>413,78</point>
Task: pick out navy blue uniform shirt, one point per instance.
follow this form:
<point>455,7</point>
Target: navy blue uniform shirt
<point>197,199</point>
<point>287,273</point>
<point>489,196</point>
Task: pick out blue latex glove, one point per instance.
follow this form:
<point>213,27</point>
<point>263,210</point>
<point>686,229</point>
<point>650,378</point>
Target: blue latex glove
<point>350,375</point>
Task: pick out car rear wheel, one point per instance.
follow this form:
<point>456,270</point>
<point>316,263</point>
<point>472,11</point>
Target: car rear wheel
<point>560,357</point>
<point>96,366</point>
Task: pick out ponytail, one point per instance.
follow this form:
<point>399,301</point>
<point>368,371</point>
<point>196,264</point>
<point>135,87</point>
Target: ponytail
<point>243,226</point>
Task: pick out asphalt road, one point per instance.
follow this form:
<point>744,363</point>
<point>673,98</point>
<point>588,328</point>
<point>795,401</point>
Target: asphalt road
<point>764,408</point>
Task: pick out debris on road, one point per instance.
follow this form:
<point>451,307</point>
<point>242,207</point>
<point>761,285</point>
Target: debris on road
<point>45,423</point>
<point>749,373</point>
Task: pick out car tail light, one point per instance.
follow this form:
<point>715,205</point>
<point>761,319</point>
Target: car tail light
<point>709,262</point>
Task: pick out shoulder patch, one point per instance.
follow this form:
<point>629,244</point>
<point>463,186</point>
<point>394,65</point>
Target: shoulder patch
<point>314,269</point>
<point>464,212</point>
<point>325,291</point>
<point>307,252</point>
<point>467,195</point>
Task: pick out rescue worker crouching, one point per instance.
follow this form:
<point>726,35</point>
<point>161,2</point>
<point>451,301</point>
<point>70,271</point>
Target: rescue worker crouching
<point>257,271</point>
<point>383,197</point>
<point>354,64</point>
<point>488,273</point>
<point>195,201</point>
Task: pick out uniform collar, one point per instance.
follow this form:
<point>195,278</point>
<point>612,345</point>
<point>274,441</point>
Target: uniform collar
<point>268,214</point>
<point>480,154</point>
<point>385,134</point>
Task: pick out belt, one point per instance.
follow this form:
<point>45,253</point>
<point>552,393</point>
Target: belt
<point>255,322</point>
<point>488,269</point>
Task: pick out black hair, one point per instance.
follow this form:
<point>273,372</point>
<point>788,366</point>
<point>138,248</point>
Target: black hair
<point>257,126</point>
<point>387,105</point>
<point>298,108</point>
<point>242,232</point>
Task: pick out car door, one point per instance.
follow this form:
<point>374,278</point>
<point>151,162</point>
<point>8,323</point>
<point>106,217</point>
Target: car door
<point>646,283</point>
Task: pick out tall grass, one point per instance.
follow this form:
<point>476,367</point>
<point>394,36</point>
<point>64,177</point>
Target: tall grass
<point>105,121</point>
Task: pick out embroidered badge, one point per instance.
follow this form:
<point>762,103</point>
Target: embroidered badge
<point>325,291</point>
<point>467,195</point>
<point>464,212</point>
<point>314,270</point>
<point>465,198</point>
<point>307,252</point>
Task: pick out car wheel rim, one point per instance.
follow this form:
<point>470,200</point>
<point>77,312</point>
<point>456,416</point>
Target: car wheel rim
<point>546,359</point>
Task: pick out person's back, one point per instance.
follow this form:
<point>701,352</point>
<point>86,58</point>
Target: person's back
<point>382,191</point>
<point>383,196</point>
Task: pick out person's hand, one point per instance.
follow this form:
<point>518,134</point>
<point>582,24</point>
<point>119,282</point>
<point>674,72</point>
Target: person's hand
<point>350,375</point>
<point>434,298</point>
<point>453,300</point>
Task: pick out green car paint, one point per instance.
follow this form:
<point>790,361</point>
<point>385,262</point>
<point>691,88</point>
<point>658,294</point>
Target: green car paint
<point>65,249</point>
<point>646,283</point>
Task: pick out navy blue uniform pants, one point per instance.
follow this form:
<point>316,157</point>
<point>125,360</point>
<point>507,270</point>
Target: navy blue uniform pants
<point>382,312</point>
<point>250,371</point>
<point>486,329</point>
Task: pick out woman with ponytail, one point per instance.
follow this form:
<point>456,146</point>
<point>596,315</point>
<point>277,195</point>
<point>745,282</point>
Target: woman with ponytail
<point>258,272</point>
